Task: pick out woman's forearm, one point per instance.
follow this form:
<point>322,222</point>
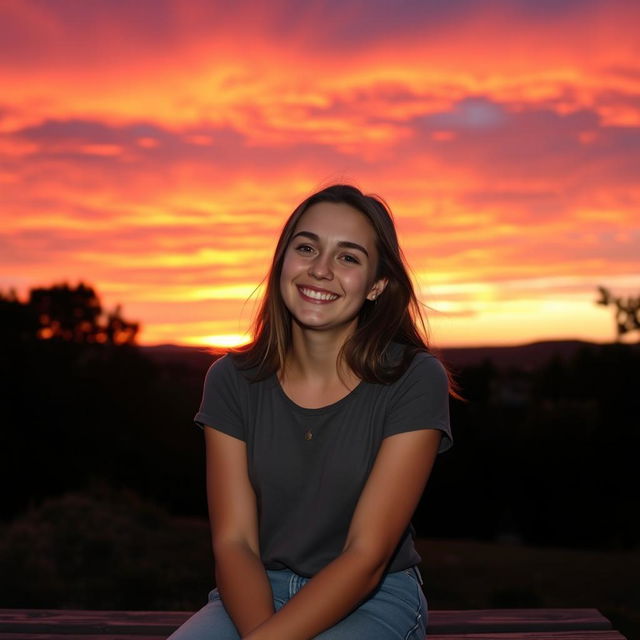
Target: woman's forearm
<point>243,585</point>
<point>327,598</point>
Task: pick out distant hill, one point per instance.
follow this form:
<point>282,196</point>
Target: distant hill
<point>526,356</point>
<point>174,354</point>
<point>522,356</point>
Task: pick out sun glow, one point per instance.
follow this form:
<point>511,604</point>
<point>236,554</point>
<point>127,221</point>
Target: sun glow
<point>223,340</point>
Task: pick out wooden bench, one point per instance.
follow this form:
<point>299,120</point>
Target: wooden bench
<point>488,624</point>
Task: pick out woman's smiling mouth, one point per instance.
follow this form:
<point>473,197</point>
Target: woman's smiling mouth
<point>316,295</point>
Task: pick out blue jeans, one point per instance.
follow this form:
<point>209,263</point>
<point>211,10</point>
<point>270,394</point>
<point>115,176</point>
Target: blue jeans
<point>396,610</point>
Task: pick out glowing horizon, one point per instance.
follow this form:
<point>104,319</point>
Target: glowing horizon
<point>155,149</point>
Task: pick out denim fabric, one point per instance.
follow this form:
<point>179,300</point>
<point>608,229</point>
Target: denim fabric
<point>396,610</point>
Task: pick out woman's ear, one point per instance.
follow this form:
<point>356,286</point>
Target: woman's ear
<point>377,288</point>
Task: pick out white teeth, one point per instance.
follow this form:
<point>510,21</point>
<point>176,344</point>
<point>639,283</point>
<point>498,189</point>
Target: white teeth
<point>317,295</point>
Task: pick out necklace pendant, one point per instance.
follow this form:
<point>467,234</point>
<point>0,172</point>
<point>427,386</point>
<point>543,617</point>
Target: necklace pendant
<point>308,435</point>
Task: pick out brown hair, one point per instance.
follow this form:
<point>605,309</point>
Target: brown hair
<point>395,316</point>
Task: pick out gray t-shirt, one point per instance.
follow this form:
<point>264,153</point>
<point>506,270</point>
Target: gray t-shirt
<point>308,466</point>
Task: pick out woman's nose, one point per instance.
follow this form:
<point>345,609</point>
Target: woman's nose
<point>320,268</point>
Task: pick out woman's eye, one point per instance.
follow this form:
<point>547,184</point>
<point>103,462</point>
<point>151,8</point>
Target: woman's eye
<point>304,248</point>
<point>351,259</point>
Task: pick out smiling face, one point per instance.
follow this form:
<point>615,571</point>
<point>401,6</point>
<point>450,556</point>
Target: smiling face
<point>329,267</point>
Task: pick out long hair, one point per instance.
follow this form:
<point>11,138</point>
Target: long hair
<point>395,316</point>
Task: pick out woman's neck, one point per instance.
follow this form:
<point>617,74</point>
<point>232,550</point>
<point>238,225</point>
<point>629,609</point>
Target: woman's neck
<point>314,357</point>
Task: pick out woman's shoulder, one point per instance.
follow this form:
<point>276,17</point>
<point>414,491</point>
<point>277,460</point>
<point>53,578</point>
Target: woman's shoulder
<point>414,362</point>
<point>222,365</point>
<point>223,371</point>
<point>226,368</point>
<point>415,369</point>
<point>427,366</point>
<point>426,359</point>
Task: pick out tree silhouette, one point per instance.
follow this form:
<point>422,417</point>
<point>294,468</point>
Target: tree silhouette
<point>62,313</point>
<point>67,314</point>
<point>118,330</point>
<point>627,313</point>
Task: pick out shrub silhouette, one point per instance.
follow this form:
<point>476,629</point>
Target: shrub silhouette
<point>103,549</point>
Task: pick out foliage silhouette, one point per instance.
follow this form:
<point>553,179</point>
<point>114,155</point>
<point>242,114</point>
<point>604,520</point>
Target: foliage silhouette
<point>63,313</point>
<point>627,311</point>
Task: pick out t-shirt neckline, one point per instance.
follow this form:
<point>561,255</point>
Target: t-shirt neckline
<point>317,410</point>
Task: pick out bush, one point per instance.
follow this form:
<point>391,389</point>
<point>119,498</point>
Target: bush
<point>104,549</point>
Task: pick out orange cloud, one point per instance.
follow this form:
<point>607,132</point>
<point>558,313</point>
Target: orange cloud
<point>155,149</point>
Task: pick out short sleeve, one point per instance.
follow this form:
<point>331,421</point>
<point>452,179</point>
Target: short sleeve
<point>421,400</point>
<point>220,407</point>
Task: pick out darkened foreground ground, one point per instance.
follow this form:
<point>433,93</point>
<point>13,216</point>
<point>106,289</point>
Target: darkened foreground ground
<point>110,550</point>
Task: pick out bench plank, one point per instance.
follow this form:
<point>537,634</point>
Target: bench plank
<point>546,635</point>
<point>72,621</point>
<point>609,634</point>
<point>515,620</point>
<point>162,623</point>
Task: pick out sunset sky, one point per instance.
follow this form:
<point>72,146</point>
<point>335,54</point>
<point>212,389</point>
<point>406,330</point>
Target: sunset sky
<point>154,148</point>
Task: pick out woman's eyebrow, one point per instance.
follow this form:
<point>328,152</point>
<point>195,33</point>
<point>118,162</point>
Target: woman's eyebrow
<point>343,243</point>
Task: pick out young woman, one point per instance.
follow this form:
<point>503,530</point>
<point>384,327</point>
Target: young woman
<point>320,437</point>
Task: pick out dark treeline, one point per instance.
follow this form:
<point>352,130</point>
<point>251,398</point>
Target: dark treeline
<point>544,455</point>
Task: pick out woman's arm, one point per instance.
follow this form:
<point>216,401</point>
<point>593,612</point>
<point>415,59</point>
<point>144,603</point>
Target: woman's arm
<point>240,575</point>
<point>385,507</point>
